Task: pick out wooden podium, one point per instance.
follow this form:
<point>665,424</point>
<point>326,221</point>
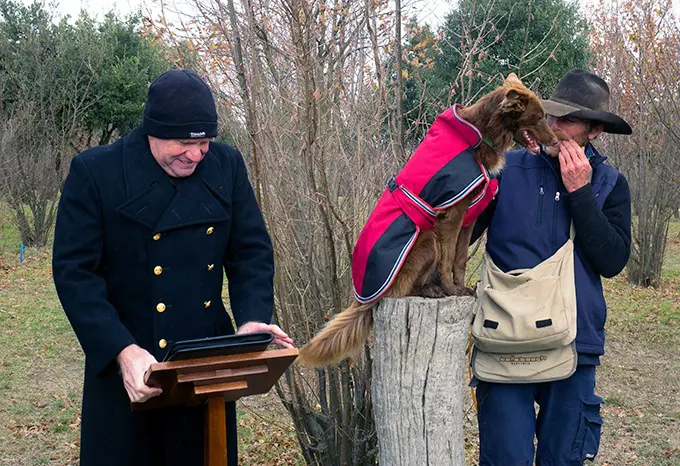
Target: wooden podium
<point>211,381</point>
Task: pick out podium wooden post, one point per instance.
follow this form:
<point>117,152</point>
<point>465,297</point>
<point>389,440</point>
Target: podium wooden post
<point>212,381</point>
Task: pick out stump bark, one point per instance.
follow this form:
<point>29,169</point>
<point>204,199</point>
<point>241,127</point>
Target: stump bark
<point>418,375</point>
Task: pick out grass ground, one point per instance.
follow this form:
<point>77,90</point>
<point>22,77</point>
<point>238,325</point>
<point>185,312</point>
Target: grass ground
<point>41,374</point>
<point>640,376</point>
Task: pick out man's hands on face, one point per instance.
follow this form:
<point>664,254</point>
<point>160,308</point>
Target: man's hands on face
<point>280,337</point>
<point>574,165</point>
<point>134,362</point>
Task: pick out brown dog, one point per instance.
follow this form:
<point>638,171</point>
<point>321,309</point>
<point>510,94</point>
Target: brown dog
<point>510,112</point>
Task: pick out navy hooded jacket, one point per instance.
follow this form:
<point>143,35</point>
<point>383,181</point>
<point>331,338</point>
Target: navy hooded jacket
<point>529,221</point>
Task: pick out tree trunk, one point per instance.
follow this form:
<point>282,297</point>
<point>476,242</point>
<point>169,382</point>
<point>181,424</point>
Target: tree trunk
<point>252,123</point>
<point>399,152</point>
<point>418,373</point>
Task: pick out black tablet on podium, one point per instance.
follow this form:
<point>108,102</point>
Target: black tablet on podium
<point>219,346</point>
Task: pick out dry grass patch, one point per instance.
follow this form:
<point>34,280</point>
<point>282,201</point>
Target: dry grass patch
<point>41,374</point>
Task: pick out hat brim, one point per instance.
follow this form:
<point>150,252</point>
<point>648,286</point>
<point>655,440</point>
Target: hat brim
<point>612,123</point>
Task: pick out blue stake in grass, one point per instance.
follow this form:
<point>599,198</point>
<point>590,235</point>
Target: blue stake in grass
<point>21,252</point>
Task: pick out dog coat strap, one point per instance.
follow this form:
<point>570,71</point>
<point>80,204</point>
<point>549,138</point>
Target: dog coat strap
<point>481,202</point>
<point>414,207</point>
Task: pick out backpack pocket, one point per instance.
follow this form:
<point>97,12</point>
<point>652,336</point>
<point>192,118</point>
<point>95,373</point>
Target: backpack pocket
<point>529,317</point>
<point>529,309</point>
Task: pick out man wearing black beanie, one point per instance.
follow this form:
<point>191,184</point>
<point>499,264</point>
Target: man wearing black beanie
<point>145,228</point>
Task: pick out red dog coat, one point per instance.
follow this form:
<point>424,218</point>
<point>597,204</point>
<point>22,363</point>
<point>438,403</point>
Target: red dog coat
<point>441,172</point>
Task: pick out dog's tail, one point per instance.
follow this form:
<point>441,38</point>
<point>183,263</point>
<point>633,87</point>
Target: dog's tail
<point>342,337</point>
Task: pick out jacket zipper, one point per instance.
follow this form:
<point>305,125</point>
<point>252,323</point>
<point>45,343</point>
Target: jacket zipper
<point>541,193</point>
<point>558,181</point>
<point>557,199</point>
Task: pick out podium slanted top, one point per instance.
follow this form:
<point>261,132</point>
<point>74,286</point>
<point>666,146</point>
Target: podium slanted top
<point>188,382</point>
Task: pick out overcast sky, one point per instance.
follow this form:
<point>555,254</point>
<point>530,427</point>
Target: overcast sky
<point>431,11</point>
<point>95,7</point>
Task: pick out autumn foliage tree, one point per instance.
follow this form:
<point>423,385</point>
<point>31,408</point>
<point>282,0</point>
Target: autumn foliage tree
<point>304,92</point>
<point>637,49</point>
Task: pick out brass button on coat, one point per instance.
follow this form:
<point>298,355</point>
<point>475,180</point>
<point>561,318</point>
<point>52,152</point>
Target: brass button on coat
<point>158,270</point>
<point>162,343</point>
<point>157,236</point>
<point>160,307</point>
<point>211,266</point>
<point>209,231</point>
<point>206,304</point>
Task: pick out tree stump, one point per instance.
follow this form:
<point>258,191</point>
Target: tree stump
<point>418,376</point>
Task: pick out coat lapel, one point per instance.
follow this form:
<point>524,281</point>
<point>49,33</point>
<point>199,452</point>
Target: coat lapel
<point>154,201</point>
<point>193,204</point>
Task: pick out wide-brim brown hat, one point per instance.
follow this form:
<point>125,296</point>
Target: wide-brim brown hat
<point>583,95</point>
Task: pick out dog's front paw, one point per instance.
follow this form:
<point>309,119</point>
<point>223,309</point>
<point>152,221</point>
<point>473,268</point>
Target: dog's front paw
<point>458,290</point>
<point>451,289</point>
<point>465,291</point>
<point>431,291</point>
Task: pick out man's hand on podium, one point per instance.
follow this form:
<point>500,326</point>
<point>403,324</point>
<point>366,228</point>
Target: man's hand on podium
<point>134,362</point>
<point>280,337</point>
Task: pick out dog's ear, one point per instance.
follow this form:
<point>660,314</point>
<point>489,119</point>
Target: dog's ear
<point>514,102</point>
<point>513,81</point>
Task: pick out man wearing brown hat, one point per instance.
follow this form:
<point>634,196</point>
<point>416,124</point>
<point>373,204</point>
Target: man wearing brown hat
<point>146,228</point>
<point>539,199</point>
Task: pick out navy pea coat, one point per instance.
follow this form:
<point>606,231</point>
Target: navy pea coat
<point>139,258</point>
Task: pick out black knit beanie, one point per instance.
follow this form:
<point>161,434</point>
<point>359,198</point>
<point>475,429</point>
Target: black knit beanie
<point>180,105</point>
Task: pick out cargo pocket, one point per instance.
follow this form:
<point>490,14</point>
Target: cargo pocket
<point>587,442</point>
